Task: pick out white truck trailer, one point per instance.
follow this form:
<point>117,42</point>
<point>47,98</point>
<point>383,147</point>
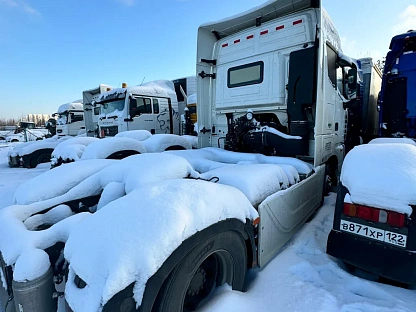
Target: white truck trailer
<point>91,110</point>
<point>70,119</point>
<point>152,106</point>
<point>166,235</point>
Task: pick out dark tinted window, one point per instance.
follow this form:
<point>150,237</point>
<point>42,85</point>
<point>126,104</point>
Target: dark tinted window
<point>75,118</point>
<point>245,75</point>
<point>180,83</point>
<point>141,106</point>
<point>96,110</point>
<point>155,106</point>
<point>332,65</point>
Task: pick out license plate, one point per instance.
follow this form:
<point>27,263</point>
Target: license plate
<point>392,238</point>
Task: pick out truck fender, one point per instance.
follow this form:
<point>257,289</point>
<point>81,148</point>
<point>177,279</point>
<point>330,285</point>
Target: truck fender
<point>155,283</point>
<point>32,160</point>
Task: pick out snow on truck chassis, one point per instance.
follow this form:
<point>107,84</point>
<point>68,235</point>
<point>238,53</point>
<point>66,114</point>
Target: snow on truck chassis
<point>197,234</point>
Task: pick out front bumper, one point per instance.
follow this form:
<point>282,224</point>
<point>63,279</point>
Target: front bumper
<point>387,261</point>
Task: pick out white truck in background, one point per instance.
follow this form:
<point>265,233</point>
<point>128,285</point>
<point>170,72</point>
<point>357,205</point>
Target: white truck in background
<point>267,84</point>
<point>92,111</point>
<point>70,119</point>
<point>152,106</point>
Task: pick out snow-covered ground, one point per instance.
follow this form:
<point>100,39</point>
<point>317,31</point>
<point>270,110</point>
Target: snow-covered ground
<point>301,278</point>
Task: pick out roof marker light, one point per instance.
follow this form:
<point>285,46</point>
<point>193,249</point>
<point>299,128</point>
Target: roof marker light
<point>297,22</point>
<point>250,37</point>
<point>264,32</point>
<point>225,45</point>
<point>236,41</point>
<point>280,27</point>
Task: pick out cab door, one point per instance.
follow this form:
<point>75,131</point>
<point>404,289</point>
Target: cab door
<point>142,114</point>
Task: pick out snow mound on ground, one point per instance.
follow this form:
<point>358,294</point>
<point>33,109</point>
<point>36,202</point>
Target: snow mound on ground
<point>193,140</point>
<point>382,176</point>
<point>103,148</point>
<point>31,264</point>
<point>72,149</point>
<point>218,157</point>
<point>58,181</point>
<point>168,213</point>
<point>257,182</point>
<point>139,135</point>
<point>160,142</point>
<point>393,140</point>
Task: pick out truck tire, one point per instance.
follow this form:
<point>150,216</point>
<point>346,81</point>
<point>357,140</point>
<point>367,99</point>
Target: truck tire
<point>122,154</point>
<point>175,148</point>
<point>40,157</point>
<point>219,259</point>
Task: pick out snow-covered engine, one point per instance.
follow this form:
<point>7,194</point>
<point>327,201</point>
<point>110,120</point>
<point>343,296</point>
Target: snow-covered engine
<point>250,133</point>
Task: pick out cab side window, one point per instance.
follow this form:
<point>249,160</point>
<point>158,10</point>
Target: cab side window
<point>332,65</point>
<point>144,106</point>
<point>155,106</point>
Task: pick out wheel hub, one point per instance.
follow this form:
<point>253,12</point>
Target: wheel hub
<point>197,282</point>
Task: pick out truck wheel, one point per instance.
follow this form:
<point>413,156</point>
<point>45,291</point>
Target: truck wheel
<point>175,148</point>
<point>219,259</point>
<point>122,154</point>
<point>40,158</point>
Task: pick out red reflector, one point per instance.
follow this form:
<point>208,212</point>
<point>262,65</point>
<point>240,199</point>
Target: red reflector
<point>350,209</point>
<point>225,45</point>
<point>256,221</point>
<point>280,27</point>
<point>237,41</point>
<point>264,32</point>
<point>250,37</point>
<point>364,212</point>
<point>297,22</point>
<point>102,133</point>
<point>396,219</point>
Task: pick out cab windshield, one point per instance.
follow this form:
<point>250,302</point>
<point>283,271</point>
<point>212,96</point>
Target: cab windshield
<point>62,118</point>
<point>110,107</point>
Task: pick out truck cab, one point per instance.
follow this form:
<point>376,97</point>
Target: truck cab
<point>151,106</point>
<point>397,100</point>
<point>70,119</point>
<point>276,86</point>
<point>91,109</point>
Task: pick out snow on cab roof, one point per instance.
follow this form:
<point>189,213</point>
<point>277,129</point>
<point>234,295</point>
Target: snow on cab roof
<point>73,106</point>
<point>158,88</point>
<point>382,176</point>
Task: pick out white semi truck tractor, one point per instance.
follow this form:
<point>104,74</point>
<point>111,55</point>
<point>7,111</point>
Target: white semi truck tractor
<point>172,226</point>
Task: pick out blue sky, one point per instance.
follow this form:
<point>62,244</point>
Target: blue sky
<point>50,51</point>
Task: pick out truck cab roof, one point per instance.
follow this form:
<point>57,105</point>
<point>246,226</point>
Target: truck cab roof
<point>159,88</point>
<point>267,11</point>
<point>397,42</point>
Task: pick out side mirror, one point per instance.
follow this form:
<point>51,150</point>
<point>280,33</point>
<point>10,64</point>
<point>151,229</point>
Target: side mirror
<point>53,115</point>
<point>352,79</point>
